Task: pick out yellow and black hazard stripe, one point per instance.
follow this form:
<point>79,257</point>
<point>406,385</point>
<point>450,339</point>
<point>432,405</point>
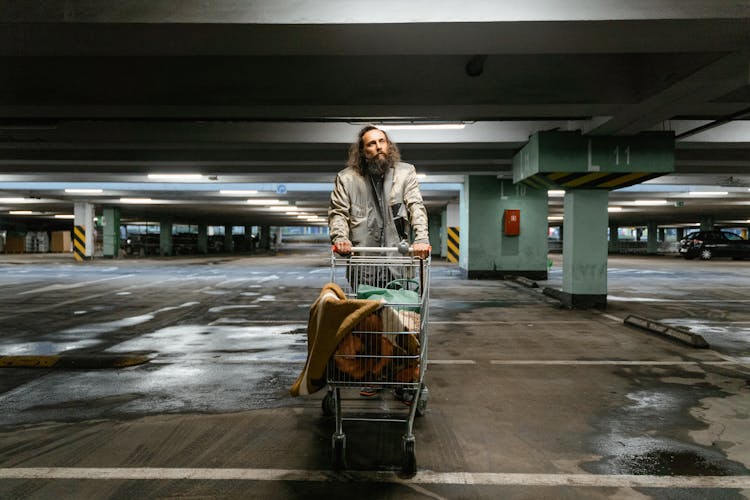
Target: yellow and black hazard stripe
<point>588,180</point>
<point>454,243</point>
<point>79,243</point>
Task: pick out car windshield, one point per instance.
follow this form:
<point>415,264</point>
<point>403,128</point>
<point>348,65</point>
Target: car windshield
<point>732,236</point>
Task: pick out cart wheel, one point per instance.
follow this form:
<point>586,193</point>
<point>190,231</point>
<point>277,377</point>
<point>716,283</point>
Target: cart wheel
<point>329,404</point>
<point>339,451</point>
<point>409,467</point>
<point>422,403</point>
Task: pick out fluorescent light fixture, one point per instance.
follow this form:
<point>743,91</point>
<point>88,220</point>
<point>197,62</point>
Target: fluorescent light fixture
<point>83,190</point>
<point>298,214</point>
<point>176,177</point>
<point>555,217</point>
<point>239,192</point>
<point>65,216</point>
<point>708,193</point>
<point>650,203</point>
<point>556,192</point>
<point>423,126</point>
<point>16,200</point>
<point>136,200</point>
<point>259,201</point>
<point>421,176</point>
<point>284,208</point>
<point>20,212</point>
<point>614,209</point>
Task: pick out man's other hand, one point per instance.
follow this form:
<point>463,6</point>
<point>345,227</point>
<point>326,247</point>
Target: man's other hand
<point>343,247</point>
<point>421,250</point>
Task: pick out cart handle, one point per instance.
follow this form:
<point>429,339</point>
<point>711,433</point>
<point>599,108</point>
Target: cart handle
<point>403,248</point>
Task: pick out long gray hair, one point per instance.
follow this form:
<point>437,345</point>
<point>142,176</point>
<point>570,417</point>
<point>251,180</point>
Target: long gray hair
<point>357,150</point>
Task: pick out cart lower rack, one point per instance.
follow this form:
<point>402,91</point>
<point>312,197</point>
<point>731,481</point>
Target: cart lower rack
<point>387,351</point>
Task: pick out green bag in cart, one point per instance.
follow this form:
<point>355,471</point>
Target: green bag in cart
<point>395,292</point>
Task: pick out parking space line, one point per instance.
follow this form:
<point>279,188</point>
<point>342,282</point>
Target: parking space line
<point>608,362</point>
<point>426,477</point>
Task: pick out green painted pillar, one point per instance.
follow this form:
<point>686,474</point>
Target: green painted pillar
<point>444,232</point>
<point>165,237</point>
<point>202,239</point>
<point>487,252</point>
<point>433,221</point>
<point>111,231</point>
<point>651,244</point>
<point>614,238</point>
<point>585,249</point>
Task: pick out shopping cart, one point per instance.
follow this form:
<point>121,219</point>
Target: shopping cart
<point>387,350</point>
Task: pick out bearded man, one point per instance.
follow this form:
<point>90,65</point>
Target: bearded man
<point>376,199</point>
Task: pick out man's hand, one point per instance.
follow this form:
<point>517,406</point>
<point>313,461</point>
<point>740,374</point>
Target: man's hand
<point>421,250</point>
<point>343,247</point>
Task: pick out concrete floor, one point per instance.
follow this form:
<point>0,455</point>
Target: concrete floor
<point>527,400</point>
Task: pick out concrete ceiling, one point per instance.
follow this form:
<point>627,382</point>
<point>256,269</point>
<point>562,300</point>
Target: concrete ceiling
<point>268,95</point>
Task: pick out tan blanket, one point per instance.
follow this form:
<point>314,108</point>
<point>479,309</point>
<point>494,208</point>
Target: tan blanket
<point>332,317</point>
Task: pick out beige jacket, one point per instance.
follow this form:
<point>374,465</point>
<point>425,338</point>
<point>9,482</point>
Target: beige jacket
<point>353,210</point>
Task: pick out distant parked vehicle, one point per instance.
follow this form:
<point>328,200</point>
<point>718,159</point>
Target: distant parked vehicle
<point>715,243</point>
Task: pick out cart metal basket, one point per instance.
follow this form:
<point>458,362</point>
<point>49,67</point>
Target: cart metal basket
<point>387,351</point>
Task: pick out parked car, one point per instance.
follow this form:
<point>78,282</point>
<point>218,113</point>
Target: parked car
<point>715,243</point>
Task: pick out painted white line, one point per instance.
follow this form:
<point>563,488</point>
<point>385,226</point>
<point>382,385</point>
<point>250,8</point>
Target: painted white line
<point>426,477</point>
<point>528,322</point>
<point>68,286</point>
<point>451,361</point>
<point>618,298</point>
<point>613,318</point>
<point>574,362</point>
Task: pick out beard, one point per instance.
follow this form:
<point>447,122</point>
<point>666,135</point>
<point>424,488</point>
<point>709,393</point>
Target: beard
<point>379,164</point>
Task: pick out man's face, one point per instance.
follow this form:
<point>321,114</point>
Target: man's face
<point>376,145</point>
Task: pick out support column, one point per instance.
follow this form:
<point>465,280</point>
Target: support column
<point>249,238</point>
<point>707,223</point>
<point>202,239</point>
<point>111,228</point>
<point>585,249</point>
<point>487,250</point>
<point>680,233</point>
<point>435,231</point>
<point>228,240</point>
<point>265,237</point>
<point>614,238</point>
<point>444,233</point>
<point>83,230</point>
<point>651,243</point>
<point>165,237</point>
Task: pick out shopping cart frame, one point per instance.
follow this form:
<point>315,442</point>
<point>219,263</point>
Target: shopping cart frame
<point>350,272</point>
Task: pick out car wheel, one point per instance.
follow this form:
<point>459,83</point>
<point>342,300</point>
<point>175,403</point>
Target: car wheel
<point>706,254</point>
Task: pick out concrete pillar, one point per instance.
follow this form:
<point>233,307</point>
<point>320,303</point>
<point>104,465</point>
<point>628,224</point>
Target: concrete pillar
<point>111,228</point>
<point>651,244</point>
<point>228,240</point>
<point>265,237</point>
<point>585,249</point>
<point>165,237</point>
<point>444,232</point>
<point>680,233</point>
<point>83,215</point>
<point>202,239</point>
<point>434,229</point>
<point>707,223</point>
<point>487,252</point>
<point>614,238</point>
<point>662,234</point>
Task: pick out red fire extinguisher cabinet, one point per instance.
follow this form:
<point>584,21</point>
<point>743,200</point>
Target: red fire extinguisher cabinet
<point>512,222</point>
